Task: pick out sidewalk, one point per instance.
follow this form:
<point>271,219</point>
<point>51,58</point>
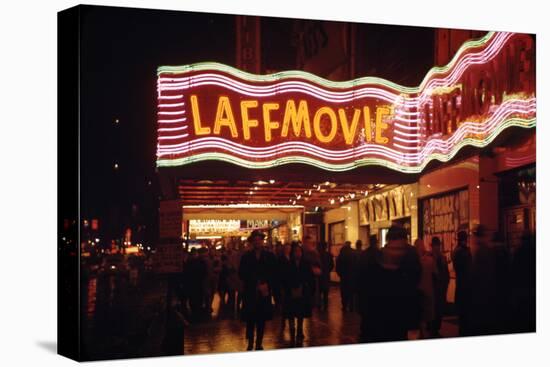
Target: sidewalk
<point>332,327</point>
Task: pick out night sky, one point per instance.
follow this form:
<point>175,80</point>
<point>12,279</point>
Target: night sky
<point>120,52</point>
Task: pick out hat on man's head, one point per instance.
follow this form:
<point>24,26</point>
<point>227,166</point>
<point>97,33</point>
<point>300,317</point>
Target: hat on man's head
<point>256,233</point>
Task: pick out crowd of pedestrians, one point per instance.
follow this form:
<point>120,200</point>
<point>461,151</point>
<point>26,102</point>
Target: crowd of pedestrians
<point>396,289</point>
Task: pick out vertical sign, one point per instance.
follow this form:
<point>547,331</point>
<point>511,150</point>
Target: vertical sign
<point>169,252</point>
<point>323,48</point>
<point>248,43</point>
<point>170,216</point>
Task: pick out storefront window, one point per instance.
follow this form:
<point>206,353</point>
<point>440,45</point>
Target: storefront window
<point>517,200</point>
<point>443,216</point>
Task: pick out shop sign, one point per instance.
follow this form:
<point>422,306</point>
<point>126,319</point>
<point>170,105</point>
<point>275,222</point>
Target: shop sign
<point>390,205</point>
<point>254,224</point>
<point>210,111</point>
<point>444,216</point>
<point>202,226</point>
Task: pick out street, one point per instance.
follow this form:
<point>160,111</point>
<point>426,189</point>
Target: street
<point>121,321</point>
<point>125,322</point>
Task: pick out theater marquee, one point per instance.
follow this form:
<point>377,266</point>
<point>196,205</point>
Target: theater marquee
<point>210,111</point>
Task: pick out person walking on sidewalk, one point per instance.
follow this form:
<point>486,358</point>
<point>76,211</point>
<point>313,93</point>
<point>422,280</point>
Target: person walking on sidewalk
<point>394,300</point>
<point>196,273</point>
<point>441,284</point>
<point>365,281</point>
<point>344,268</point>
<point>523,288</point>
<point>483,286</point>
<point>327,264</point>
<point>355,274</point>
<point>462,264</point>
<point>283,265</point>
<point>256,272</point>
<point>313,258</point>
<point>299,287</point>
<point>427,287</point>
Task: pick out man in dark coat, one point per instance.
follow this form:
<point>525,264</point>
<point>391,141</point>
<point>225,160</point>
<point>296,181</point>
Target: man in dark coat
<point>503,268</point>
<point>441,285</point>
<point>483,303</point>
<point>366,276</point>
<point>312,257</point>
<point>524,286</point>
<point>256,271</point>
<point>355,273</point>
<point>370,255</point>
<point>345,270</point>
<point>327,264</point>
<point>283,264</point>
<point>394,301</point>
<point>462,264</point>
<point>299,287</point>
<point>277,287</point>
<point>196,272</point>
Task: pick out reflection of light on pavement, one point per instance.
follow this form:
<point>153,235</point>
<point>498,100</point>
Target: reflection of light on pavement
<point>333,327</point>
<point>112,289</point>
<point>92,292</point>
<point>223,334</point>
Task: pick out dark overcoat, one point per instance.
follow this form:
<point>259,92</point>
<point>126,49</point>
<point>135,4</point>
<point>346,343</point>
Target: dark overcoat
<point>254,272</point>
<point>299,287</point>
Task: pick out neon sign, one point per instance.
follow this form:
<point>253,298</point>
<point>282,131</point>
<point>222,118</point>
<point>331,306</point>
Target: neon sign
<point>210,111</point>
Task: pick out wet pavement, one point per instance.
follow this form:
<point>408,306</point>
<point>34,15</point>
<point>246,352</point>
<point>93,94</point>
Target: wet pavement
<point>120,320</point>
<point>331,327</point>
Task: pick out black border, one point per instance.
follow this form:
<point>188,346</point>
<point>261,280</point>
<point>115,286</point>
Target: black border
<point>68,193</point>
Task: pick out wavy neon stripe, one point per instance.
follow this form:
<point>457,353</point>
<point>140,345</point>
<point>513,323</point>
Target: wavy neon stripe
<point>413,158</point>
<point>341,97</point>
<point>180,112</point>
<point>399,132</point>
<point>173,128</point>
<point>348,166</point>
<point>176,96</point>
<point>203,66</point>
<point>294,87</point>
<point>336,96</point>
<point>300,148</point>
<point>168,105</point>
<point>172,137</point>
<point>173,121</point>
<point>508,108</point>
